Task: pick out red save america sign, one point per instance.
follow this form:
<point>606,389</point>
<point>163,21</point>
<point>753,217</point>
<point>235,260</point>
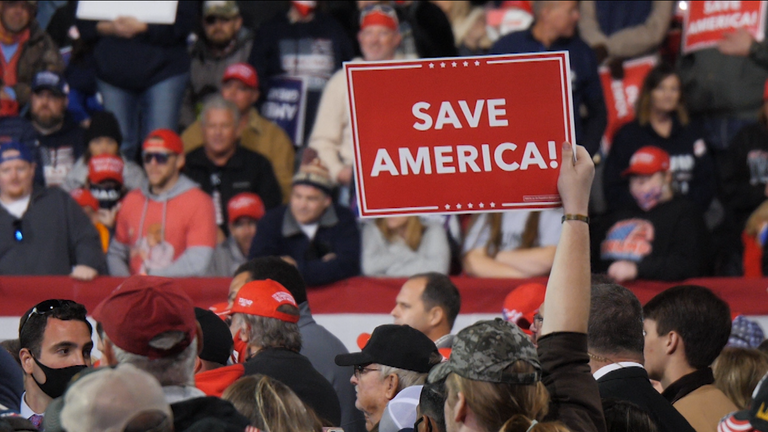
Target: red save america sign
<point>459,135</point>
<point>621,95</point>
<point>705,21</point>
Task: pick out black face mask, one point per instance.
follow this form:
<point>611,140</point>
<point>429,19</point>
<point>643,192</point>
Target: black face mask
<point>107,197</point>
<point>56,380</point>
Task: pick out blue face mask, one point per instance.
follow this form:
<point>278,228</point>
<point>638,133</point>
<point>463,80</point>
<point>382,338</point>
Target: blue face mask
<point>648,199</point>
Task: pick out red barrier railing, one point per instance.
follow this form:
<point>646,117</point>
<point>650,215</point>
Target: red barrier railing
<point>355,295</point>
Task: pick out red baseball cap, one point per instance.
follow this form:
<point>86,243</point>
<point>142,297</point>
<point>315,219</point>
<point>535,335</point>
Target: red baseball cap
<point>245,204</point>
<point>646,161</point>
<point>164,138</point>
<point>522,303</point>
<point>85,198</point>
<point>382,15</point>
<point>242,72</point>
<point>144,307</point>
<point>262,298</point>
<point>105,167</point>
<point>221,310</point>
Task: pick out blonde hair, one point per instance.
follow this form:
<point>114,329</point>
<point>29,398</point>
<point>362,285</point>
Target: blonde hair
<point>414,230</point>
<point>270,405</point>
<point>529,237</point>
<point>504,407</point>
<point>737,372</point>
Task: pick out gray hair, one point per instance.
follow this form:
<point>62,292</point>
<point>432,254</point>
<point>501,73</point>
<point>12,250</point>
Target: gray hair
<point>266,332</point>
<point>216,101</point>
<point>175,370</point>
<point>405,378</point>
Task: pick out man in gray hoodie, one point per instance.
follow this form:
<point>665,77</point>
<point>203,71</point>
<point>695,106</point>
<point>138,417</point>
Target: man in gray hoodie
<point>168,227</point>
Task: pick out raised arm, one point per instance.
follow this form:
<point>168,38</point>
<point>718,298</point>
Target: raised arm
<point>566,303</point>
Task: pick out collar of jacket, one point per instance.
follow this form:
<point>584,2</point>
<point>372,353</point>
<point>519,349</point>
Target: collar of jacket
<point>291,227</point>
<point>200,48</point>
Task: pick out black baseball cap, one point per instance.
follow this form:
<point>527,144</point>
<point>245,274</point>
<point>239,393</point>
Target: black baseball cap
<point>397,346</point>
<point>217,340</point>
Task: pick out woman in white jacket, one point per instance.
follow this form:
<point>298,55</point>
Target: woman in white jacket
<point>404,246</point>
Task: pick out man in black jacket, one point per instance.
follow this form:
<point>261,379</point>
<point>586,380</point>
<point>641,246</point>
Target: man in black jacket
<point>223,168</point>
<point>267,316</point>
<point>43,231</point>
<point>61,140</point>
<point>615,340</point>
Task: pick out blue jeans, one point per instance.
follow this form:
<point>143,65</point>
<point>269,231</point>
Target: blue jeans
<point>139,113</point>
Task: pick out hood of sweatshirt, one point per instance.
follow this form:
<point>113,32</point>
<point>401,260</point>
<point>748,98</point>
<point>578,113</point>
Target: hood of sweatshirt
<point>182,185</point>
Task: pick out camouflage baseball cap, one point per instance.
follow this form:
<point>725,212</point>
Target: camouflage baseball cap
<point>227,9</point>
<point>483,351</point>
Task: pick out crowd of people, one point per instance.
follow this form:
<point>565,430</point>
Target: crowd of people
<point>155,151</point>
<point>578,354</point>
<point>174,153</point>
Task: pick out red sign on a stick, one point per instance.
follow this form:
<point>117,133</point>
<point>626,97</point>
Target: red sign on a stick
<point>706,21</point>
<point>621,95</point>
<point>459,135</point>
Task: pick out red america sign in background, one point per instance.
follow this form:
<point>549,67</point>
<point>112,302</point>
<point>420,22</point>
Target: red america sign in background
<point>705,21</point>
<point>621,95</point>
<point>459,135</point>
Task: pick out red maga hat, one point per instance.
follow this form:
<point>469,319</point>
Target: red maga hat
<point>245,204</point>
<point>164,138</point>
<point>646,161</point>
<point>105,167</point>
<point>263,298</point>
<point>144,307</point>
<point>242,72</point>
<point>522,303</point>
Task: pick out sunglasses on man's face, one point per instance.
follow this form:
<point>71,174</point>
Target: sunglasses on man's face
<point>160,158</point>
<point>213,19</point>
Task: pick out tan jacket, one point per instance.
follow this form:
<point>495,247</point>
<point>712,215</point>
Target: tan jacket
<point>332,134</point>
<point>704,407</point>
<point>632,41</point>
<point>261,136</point>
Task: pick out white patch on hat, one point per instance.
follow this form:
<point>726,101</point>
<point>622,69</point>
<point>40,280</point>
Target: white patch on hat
<point>241,70</point>
<point>699,148</point>
<point>282,297</point>
<point>642,157</point>
<point>244,302</point>
<point>241,202</point>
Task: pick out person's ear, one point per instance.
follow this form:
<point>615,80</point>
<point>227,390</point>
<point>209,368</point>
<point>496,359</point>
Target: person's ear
<point>108,355</point>
<point>460,409</point>
<point>180,161</point>
<point>198,364</point>
<point>392,383</point>
<point>673,343</point>
<point>435,316</point>
<point>238,24</point>
<point>27,361</point>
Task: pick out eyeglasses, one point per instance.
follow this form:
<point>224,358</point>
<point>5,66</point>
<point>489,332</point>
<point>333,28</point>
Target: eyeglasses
<point>361,370</point>
<point>213,19</point>
<point>18,233</point>
<point>160,158</point>
<point>44,308</point>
